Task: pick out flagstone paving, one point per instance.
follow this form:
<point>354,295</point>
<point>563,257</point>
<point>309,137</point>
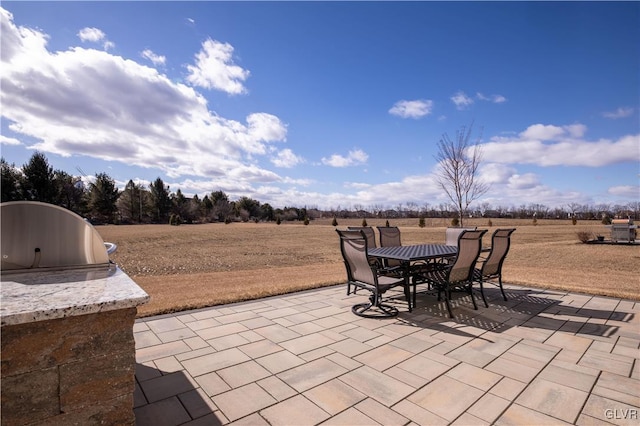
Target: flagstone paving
<point>542,357</point>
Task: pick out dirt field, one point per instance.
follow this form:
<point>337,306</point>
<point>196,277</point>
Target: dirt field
<point>191,266</point>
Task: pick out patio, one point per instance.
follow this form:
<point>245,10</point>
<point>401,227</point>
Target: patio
<point>543,357</point>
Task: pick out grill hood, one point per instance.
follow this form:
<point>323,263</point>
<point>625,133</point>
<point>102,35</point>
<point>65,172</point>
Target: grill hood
<point>39,236</point>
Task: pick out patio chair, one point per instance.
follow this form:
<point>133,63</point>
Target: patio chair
<point>371,242</point>
<point>361,274</point>
<point>390,237</point>
<point>452,233</point>
<point>368,232</point>
<point>451,238</point>
<point>490,270</point>
<point>458,275</point>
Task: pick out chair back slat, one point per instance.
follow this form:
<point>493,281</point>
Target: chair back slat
<point>368,232</point>
<point>500,243</point>
<point>389,236</point>
<point>353,245</point>
<point>469,247</point>
<point>451,235</point>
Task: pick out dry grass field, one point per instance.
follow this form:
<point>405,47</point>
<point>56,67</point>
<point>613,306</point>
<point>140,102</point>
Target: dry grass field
<point>192,266</point>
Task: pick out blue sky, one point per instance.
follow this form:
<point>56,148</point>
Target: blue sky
<point>329,104</point>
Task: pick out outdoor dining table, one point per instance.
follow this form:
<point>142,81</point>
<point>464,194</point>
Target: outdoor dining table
<point>413,253</point>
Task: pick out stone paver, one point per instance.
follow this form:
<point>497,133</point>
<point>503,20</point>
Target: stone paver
<point>553,399</point>
<point>242,401</point>
<point>450,404</point>
<point>295,411</point>
<point>311,374</point>
<point>334,396</point>
<point>542,357</point>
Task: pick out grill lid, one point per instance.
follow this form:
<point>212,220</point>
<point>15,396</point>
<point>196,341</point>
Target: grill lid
<point>38,236</point>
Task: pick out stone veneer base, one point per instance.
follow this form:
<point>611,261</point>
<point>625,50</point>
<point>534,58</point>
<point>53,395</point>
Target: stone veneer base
<point>74,370</point>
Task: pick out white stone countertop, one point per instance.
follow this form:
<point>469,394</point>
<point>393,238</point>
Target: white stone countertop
<point>39,296</point>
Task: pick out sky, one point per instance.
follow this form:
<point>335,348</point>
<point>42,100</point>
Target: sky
<point>329,104</point>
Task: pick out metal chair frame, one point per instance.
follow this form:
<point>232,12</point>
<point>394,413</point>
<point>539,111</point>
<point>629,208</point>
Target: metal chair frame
<point>458,274</point>
<point>490,270</point>
<point>362,274</point>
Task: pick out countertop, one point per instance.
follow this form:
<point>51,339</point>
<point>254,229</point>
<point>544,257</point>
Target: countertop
<point>39,296</point>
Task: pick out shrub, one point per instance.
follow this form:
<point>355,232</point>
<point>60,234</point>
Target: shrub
<point>584,236</point>
<point>455,222</point>
<point>387,223</point>
<point>278,221</point>
<point>535,221</point>
<point>574,220</point>
<point>489,223</point>
<point>334,222</point>
<point>421,223</point>
<point>175,220</point>
<point>606,220</point>
<point>364,222</point>
<point>306,220</point>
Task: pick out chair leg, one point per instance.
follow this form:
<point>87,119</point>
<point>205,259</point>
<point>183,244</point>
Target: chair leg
<point>374,301</point>
<point>473,299</point>
<point>484,299</point>
<point>447,296</point>
<point>415,287</point>
<point>504,296</point>
<point>407,294</point>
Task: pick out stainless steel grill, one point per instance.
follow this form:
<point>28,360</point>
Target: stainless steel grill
<point>623,230</point>
<point>38,237</point>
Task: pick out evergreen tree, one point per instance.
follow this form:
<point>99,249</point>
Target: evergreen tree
<point>103,195</point>
<point>10,184</point>
<point>38,182</point>
<point>207,207</point>
<point>160,200</point>
<point>71,192</point>
<point>131,202</point>
<point>221,206</point>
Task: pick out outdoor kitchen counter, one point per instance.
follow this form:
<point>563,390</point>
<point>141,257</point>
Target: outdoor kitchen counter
<point>39,296</point>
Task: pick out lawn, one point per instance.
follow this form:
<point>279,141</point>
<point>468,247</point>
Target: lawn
<point>192,266</point>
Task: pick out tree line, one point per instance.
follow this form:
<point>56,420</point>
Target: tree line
<point>101,201</point>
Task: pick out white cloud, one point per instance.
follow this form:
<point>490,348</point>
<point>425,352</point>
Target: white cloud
<point>95,35</point>
<point>631,192</point>
<point>494,173</point>
<point>576,130</point>
<point>542,132</point>
<point>135,114</point>
<point>619,113</point>
<point>287,159</point>
<point>214,69</point>
<point>549,145</point>
<point>156,59</point>
<point>354,158</point>
<point>496,99</point>
<point>461,100</point>
<point>357,185</point>
<point>412,109</point>
<point>91,34</point>
<point>5,140</point>
<point>526,181</point>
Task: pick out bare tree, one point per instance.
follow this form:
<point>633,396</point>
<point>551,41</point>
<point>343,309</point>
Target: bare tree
<point>458,169</point>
